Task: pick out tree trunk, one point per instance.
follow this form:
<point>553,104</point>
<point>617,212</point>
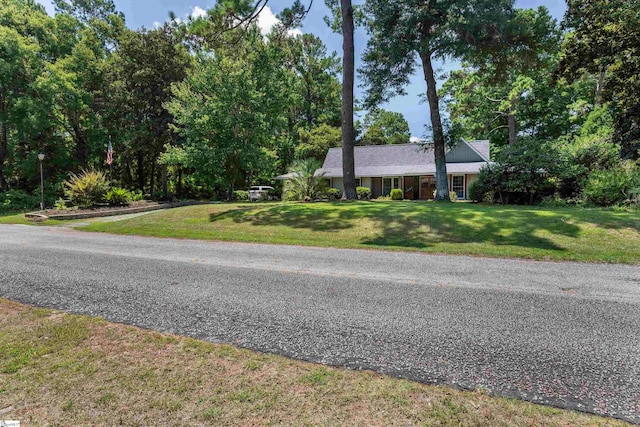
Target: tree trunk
<point>140,159</point>
<point>348,131</point>
<point>81,153</point>
<point>511,120</point>
<point>230,193</point>
<point>442,183</point>
<point>179,189</point>
<point>4,144</point>
<point>152,179</point>
<point>309,100</point>
<point>128,175</point>
<point>599,87</point>
<point>165,183</point>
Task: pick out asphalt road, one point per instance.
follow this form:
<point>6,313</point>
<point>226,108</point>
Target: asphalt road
<point>565,334</point>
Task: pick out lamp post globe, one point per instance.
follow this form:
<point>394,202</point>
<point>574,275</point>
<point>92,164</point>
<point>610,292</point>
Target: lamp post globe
<point>41,158</point>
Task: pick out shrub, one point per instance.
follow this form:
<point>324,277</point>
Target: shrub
<point>60,204</point>
<point>396,194</point>
<point>612,186</point>
<point>16,200</point>
<point>241,195</point>
<point>118,196</point>
<point>363,193</point>
<point>477,191</point>
<point>87,189</point>
<point>453,196</point>
<point>137,196</point>
<point>333,194</point>
<point>523,173</point>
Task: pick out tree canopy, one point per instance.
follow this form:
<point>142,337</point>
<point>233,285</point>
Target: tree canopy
<point>402,31</point>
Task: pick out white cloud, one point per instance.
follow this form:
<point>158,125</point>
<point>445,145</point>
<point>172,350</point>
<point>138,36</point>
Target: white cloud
<point>198,12</point>
<point>156,24</point>
<point>267,20</point>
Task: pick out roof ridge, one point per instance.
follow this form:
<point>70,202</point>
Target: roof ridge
<point>385,145</point>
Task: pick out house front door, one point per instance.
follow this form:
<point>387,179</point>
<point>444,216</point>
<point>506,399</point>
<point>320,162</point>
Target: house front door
<point>376,187</point>
<point>427,187</point>
<point>411,188</point>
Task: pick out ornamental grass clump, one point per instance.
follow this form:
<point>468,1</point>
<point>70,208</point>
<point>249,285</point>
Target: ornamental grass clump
<point>303,184</point>
<point>87,189</point>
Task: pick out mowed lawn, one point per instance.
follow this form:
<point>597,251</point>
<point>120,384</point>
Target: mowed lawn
<point>578,234</point>
<point>62,369</point>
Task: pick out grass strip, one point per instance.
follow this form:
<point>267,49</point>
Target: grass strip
<point>61,369</point>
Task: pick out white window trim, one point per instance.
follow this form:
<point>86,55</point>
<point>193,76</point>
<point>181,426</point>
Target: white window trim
<point>464,184</point>
<point>400,182</point>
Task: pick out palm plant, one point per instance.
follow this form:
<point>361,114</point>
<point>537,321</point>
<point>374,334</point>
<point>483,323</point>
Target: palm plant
<point>303,183</point>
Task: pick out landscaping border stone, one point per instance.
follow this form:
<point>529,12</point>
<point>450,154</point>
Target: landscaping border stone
<point>37,216</point>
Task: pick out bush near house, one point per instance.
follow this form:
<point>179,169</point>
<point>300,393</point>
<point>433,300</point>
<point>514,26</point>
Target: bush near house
<point>241,195</point>
<point>333,194</point>
<point>363,193</point>
<point>396,194</point>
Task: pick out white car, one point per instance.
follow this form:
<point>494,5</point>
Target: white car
<point>259,192</point>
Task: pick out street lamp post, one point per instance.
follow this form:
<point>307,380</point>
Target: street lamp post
<point>41,158</point>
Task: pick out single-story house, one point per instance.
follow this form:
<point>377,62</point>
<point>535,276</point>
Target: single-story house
<point>409,167</point>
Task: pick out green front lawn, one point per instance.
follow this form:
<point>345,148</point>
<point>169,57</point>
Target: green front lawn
<point>602,235</point>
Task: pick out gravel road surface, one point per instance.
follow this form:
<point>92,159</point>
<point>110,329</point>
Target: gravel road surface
<point>564,334</point>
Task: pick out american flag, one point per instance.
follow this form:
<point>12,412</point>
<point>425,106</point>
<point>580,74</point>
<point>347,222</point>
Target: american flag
<point>109,154</point>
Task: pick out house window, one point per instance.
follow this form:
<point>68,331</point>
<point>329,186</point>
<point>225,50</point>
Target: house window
<point>389,184</point>
<point>357,182</point>
<point>457,185</point>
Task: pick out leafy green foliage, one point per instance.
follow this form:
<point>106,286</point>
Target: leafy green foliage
<point>228,112</point>
<point>87,189</point>
<point>304,184</point>
<point>604,43</point>
<point>117,196</point>
<point>16,200</point>
<point>385,127</point>
<point>241,195</point>
<point>613,186</point>
<point>396,194</point>
<point>523,173</point>
<point>364,193</point>
<point>315,143</point>
<point>333,194</point>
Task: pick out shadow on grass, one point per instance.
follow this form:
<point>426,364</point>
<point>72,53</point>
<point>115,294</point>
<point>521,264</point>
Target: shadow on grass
<point>466,223</point>
<point>609,218</point>
<point>417,225</point>
<point>308,216</point>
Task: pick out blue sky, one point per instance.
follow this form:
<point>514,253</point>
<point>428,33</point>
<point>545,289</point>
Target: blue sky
<point>146,13</point>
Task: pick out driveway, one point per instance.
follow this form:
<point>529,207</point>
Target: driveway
<point>565,334</point>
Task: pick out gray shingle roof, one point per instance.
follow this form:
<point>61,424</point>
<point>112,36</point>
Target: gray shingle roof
<point>397,160</point>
